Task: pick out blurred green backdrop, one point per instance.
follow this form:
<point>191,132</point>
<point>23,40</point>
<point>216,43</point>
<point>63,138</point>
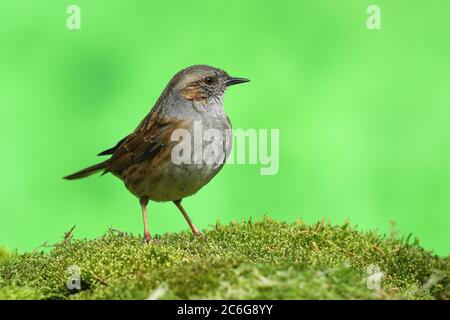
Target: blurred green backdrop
<point>363,115</point>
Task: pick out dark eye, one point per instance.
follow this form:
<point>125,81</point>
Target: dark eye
<point>208,80</point>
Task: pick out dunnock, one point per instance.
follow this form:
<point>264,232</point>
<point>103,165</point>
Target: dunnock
<point>143,159</point>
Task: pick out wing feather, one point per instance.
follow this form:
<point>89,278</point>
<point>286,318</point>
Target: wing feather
<point>152,135</point>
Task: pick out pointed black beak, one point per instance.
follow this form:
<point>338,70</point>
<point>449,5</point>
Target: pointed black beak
<point>232,81</point>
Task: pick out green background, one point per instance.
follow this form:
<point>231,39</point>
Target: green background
<point>363,115</point>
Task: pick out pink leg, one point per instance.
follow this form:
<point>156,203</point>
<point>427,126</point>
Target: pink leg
<point>144,201</point>
<point>189,221</point>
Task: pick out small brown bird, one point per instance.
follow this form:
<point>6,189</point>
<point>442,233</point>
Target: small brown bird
<point>145,159</point>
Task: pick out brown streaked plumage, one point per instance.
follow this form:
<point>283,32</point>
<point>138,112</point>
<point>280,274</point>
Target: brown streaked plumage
<point>194,92</point>
<point>143,159</point>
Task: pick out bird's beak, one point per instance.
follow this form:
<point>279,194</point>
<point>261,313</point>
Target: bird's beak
<point>232,81</point>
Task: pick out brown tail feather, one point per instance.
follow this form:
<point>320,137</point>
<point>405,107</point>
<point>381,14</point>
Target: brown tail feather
<point>86,172</point>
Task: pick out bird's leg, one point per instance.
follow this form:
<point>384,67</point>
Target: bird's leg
<point>144,201</point>
<point>188,220</point>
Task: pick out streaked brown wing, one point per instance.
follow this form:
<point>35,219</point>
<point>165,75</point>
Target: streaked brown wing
<point>143,144</point>
<point>113,149</point>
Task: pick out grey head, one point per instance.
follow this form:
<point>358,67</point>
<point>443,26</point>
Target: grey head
<point>201,82</point>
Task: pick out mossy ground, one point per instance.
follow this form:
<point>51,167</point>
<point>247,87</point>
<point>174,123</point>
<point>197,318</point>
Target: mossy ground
<point>248,260</point>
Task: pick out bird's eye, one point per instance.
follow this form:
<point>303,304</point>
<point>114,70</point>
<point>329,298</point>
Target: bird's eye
<point>208,80</point>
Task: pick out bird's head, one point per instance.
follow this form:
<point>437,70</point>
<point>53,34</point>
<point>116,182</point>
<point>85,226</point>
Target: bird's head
<point>200,82</point>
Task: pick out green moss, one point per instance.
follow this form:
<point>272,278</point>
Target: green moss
<point>248,260</point>
<point>4,254</point>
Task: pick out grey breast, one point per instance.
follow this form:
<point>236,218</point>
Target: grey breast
<point>185,179</point>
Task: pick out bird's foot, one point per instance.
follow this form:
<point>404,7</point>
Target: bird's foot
<point>147,238</point>
<point>197,234</point>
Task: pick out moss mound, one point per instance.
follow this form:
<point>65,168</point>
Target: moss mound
<point>248,260</point>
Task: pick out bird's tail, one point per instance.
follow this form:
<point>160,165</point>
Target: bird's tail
<point>87,172</point>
